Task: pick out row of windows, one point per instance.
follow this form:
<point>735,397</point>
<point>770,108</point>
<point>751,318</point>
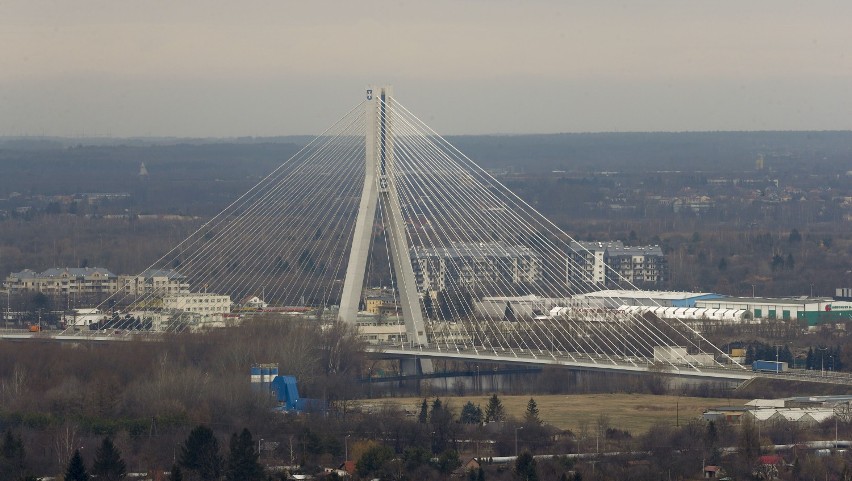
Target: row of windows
<point>773,313</point>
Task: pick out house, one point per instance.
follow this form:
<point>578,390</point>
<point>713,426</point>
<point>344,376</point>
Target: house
<point>253,303</point>
<point>712,472</point>
<point>730,414</point>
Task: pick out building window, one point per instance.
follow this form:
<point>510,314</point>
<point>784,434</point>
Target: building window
<point>758,313</point>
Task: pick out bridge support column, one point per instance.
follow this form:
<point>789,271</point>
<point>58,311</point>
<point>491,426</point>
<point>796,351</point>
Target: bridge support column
<point>380,186</point>
<point>413,366</point>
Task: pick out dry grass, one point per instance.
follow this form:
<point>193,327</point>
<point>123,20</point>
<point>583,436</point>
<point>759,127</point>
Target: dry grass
<point>632,412</point>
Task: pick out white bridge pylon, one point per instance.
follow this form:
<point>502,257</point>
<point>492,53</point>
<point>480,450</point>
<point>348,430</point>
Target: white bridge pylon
<point>380,188</point>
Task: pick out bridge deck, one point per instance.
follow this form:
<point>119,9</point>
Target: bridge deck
<point>586,362</point>
<point>572,360</point>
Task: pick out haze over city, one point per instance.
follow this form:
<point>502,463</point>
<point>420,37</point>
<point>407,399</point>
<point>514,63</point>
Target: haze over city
<point>222,69</point>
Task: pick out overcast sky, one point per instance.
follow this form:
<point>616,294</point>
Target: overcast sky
<point>221,68</point>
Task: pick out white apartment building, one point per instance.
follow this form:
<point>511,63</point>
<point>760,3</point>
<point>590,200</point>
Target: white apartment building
<point>81,281</point>
<point>610,263</point>
<point>154,282</point>
<point>475,265</point>
<point>586,261</point>
<point>96,282</point>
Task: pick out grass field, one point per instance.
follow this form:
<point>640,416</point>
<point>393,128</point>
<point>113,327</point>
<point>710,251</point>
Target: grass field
<point>632,412</point>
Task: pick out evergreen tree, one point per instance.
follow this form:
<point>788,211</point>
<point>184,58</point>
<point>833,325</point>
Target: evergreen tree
<point>108,463</point>
<point>809,361</point>
<point>440,419</point>
<point>436,407</point>
<point>470,414</point>
<point>787,356</point>
<point>76,470</point>
<point>480,474</point>
<point>777,262</point>
<point>12,457</point>
<point>242,461</point>
<point>794,237</point>
<point>424,412</point>
<point>531,415</point>
<point>200,453</point>
<point>525,467</point>
<point>494,411</point>
<point>448,461</point>
<point>749,357</point>
<point>373,459</point>
<point>176,474</point>
<point>415,456</point>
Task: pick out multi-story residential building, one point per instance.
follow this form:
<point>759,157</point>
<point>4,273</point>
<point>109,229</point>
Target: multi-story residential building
<point>78,281</point>
<point>96,282</point>
<point>488,266</point>
<point>586,262</point>
<point>637,264</point>
<point>612,263</point>
<point>154,282</point>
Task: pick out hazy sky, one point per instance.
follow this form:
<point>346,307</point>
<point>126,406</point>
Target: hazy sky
<point>225,68</point>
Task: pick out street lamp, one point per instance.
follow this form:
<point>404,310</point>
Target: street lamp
<point>776,359</point>
<point>259,446</point>
<point>346,448</point>
<point>822,361</point>
<point>476,382</point>
<point>516,440</point>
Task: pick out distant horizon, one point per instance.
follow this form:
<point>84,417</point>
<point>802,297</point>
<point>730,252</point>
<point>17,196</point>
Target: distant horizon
<point>219,69</point>
<point>284,136</point>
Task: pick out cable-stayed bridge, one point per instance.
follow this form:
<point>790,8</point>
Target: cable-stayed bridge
<point>381,214</point>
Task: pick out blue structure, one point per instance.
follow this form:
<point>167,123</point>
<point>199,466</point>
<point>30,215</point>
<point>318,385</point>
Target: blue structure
<point>286,392</point>
<point>690,301</point>
<point>768,366</point>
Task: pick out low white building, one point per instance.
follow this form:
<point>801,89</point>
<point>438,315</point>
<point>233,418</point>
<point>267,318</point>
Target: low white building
<point>204,304</point>
<point>390,331</point>
<point>519,306</point>
<point>679,355</point>
<point>613,298</point>
<point>84,317</point>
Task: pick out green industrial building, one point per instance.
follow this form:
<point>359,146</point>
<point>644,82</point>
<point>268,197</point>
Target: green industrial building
<point>813,310</point>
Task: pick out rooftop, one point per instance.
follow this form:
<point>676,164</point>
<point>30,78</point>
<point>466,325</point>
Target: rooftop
<point>774,300</point>
<point>667,295</point>
<point>59,271</point>
<point>473,249</point>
